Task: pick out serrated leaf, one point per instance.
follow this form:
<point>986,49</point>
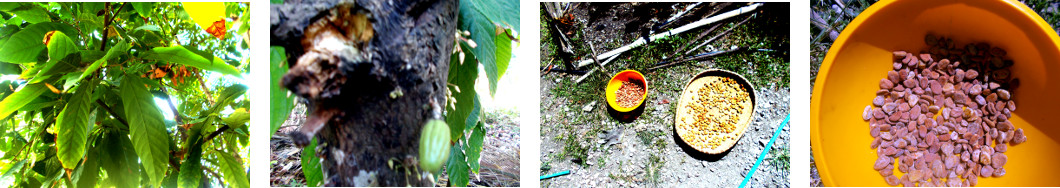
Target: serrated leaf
<point>8,178</point>
<point>503,55</point>
<point>21,97</point>
<point>233,171</point>
<point>73,124</point>
<point>190,169</point>
<point>457,167</point>
<point>281,102</point>
<point>474,149</point>
<point>314,175</point>
<point>463,75</point>
<point>481,18</point>
<point>27,44</point>
<point>181,55</point>
<point>472,118</point>
<point>146,128</point>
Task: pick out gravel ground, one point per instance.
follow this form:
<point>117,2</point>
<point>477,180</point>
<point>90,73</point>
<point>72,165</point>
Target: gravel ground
<point>630,160</point>
<point>579,134</point>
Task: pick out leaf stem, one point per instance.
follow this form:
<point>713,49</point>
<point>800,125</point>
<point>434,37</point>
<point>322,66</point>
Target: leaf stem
<point>111,111</point>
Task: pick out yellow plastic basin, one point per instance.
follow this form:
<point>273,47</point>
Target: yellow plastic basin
<point>616,82</point>
<point>862,56</point>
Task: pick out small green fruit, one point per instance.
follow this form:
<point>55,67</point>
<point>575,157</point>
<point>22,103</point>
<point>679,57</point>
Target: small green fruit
<point>434,145</point>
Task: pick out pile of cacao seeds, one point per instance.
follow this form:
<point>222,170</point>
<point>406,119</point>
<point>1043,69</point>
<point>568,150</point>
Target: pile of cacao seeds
<point>944,120</point>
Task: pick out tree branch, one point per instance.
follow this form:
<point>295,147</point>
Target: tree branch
<point>215,133</point>
<point>111,111</point>
<point>176,115</point>
<point>110,18</point>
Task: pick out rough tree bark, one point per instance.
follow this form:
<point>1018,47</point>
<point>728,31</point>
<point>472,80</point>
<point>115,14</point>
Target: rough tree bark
<point>373,73</point>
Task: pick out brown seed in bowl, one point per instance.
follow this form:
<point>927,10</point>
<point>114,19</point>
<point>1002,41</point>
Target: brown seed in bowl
<point>886,84</point>
<point>868,113</point>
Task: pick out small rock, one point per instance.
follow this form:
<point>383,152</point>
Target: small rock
<point>589,107</point>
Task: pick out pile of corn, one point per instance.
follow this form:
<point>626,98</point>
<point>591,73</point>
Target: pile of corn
<point>715,111</point>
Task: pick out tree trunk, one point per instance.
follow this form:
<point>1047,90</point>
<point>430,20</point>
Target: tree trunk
<point>369,99</point>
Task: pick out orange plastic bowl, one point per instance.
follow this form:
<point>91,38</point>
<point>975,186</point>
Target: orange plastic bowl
<point>616,82</point>
<point>862,56</point>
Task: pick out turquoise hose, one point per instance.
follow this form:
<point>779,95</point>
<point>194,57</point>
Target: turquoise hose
<point>556,174</point>
<point>765,151</point>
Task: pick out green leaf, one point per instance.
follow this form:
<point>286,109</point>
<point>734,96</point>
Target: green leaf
<point>8,6</point>
<point>57,175</point>
<point>148,27</point>
<point>481,18</point>
<point>32,13</point>
<point>122,167</point>
<point>502,11</point>
<point>118,49</point>
<point>229,94</point>
<point>38,103</point>
<point>503,55</point>
<point>27,44</point>
<point>145,9</point>
<point>237,119</point>
<point>20,98</point>
<point>59,46</point>
<point>233,171</point>
<point>314,175</point>
<point>457,167</point>
<point>181,55</point>
<point>9,177</point>
<point>88,173</point>
<point>146,128</point>
<point>463,75</point>
<point>170,181</point>
<point>190,169</point>
<point>73,124</point>
<point>68,64</point>
<point>281,101</point>
<point>474,149</point>
<point>10,69</point>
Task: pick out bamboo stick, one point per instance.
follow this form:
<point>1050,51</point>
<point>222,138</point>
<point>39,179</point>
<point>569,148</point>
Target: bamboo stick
<point>679,30</point>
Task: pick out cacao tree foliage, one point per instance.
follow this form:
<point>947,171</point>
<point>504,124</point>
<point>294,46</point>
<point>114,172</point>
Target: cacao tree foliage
<point>487,29</point>
<point>133,94</point>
